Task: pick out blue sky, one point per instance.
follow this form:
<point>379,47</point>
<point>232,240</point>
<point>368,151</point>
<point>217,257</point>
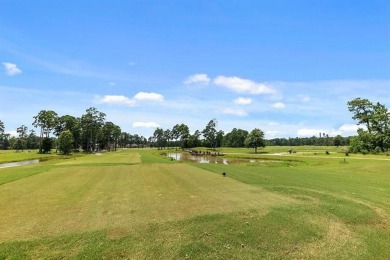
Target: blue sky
<point>286,67</point>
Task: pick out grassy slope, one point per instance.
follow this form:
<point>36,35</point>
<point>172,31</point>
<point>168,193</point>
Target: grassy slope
<point>114,206</point>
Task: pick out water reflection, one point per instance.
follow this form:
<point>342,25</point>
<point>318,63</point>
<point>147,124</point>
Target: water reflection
<point>13,164</point>
<point>203,159</point>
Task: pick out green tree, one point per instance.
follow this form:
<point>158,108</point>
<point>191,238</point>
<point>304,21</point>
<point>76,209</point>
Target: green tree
<point>210,133</point>
<point>21,142</point>
<point>65,142</point>
<point>193,140</point>
<point>184,133</point>
<point>338,140</point>
<point>2,127</point>
<point>46,120</point>
<point>2,136</point>
<point>32,140</point>
<point>376,119</point>
<point>71,123</point>
<point>158,136</point>
<point>167,136</point>
<point>236,138</point>
<point>91,125</point>
<point>255,139</point>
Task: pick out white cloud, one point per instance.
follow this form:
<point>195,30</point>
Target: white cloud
<point>145,125</point>
<point>144,96</point>
<point>12,133</point>
<point>116,99</point>
<point>123,100</point>
<point>272,133</point>
<point>132,63</point>
<point>344,130</point>
<point>235,112</point>
<point>112,83</point>
<point>240,85</point>
<point>11,69</point>
<point>349,128</point>
<point>278,105</point>
<point>202,79</point>
<point>305,132</point>
<point>243,101</point>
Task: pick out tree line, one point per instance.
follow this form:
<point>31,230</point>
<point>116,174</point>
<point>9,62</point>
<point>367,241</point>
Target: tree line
<point>91,132</point>
<point>179,136</point>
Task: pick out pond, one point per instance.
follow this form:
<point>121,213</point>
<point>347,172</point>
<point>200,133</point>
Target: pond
<point>14,164</point>
<point>205,159</point>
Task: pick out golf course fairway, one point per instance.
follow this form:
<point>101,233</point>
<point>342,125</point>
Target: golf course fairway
<point>138,204</point>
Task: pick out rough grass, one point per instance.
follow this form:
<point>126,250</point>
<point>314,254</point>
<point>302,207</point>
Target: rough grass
<point>136,204</point>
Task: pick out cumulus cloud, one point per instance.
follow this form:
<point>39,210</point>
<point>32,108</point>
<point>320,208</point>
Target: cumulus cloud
<point>349,128</point>
<point>144,96</point>
<point>201,79</point>
<point>272,133</point>
<point>243,101</point>
<point>11,69</point>
<point>344,130</point>
<point>306,132</point>
<point>235,112</point>
<point>278,105</point>
<point>145,125</point>
<point>12,133</point>
<point>123,100</point>
<point>240,85</point>
<point>116,99</point>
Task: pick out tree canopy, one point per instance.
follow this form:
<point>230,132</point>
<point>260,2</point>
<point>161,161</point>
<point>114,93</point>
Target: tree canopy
<point>255,139</point>
<point>374,121</point>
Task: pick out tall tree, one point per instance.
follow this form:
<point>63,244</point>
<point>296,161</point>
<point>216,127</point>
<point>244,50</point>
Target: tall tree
<point>167,136</point>
<point>175,133</point>
<point>2,127</point>
<point>2,136</point>
<point>21,142</point>
<point>255,139</point>
<point>158,136</point>
<point>210,133</point>
<point>235,138</point>
<point>65,142</point>
<point>91,124</point>
<point>376,119</point>
<point>46,120</point>
<point>184,133</point>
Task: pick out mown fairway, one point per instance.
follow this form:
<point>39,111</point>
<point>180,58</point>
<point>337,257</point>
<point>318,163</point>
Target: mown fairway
<point>137,204</point>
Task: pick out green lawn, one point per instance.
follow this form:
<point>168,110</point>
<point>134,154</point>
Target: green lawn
<point>137,204</point>
<point>13,156</point>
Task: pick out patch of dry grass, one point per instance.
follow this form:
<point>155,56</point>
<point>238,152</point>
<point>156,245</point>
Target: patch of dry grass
<point>68,200</point>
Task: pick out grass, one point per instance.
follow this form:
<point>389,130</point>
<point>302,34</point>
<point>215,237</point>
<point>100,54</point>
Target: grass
<point>137,204</point>
<point>13,156</point>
